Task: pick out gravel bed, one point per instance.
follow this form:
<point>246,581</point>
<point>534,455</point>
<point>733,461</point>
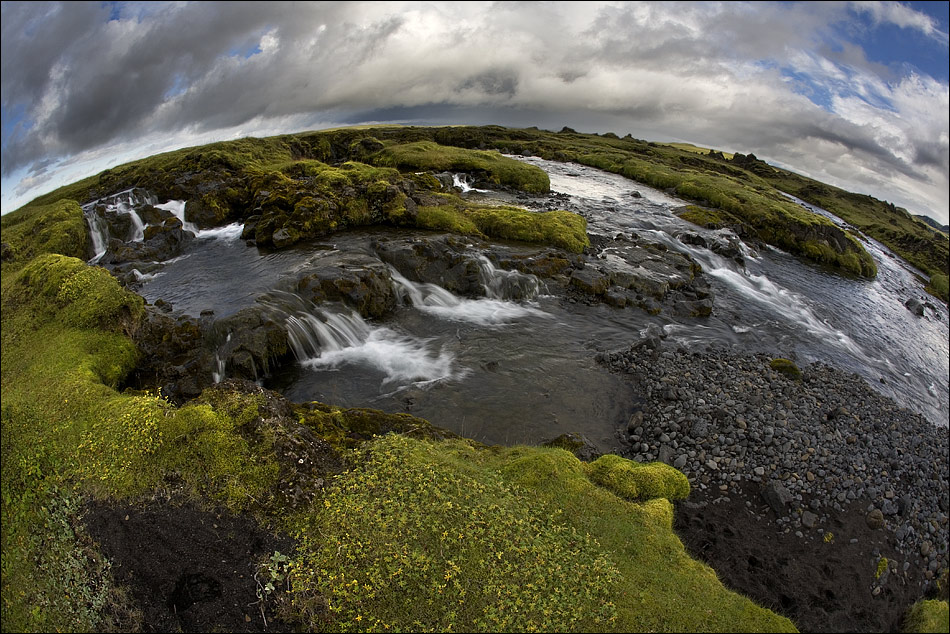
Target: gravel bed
<point>813,446</point>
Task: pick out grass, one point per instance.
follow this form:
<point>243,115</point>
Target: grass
<point>447,537</point>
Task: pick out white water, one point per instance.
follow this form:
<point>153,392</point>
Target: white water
<point>324,339</point>
<point>219,362</point>
<point>779,304</point>
<point>229,232</point>
<point>462,181</point>
<point>177,207</point>
<point>434,300</point>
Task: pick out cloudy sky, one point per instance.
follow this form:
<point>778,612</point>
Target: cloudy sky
<point>852,93</point>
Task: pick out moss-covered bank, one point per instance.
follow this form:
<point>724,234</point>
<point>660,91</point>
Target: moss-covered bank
<point>293,187</point>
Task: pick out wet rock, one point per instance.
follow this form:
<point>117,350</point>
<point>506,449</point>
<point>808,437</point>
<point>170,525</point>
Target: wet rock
<point>443,260</point>
<point>589,280</point>
<point>915,306</point>
<point>577,444</point>
<point>359,281</point>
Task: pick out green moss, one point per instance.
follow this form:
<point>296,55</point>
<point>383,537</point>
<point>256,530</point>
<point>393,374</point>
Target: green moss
<point>66,431</point>
<point>928,616</point>
<point>708,218</point>
<point>660,587</point>
<point>410,542</point>
<point>638,482</point>
<point>786,368</point>
<point>939,286</point>
<point>57,227</point>
<point>555,228</point>
<point>881,567</point>
<point>428,155</point>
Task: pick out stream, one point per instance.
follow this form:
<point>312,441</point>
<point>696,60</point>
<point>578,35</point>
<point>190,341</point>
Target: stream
<point>517,365</point>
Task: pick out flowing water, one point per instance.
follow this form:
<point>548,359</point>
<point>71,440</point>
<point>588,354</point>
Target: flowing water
<point>516,366</point>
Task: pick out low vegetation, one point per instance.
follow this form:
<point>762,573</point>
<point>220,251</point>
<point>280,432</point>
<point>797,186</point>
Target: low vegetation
<point>928,616</point>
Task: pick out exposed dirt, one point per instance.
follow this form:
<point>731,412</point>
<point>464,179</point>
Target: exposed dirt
<point>822,586</point>
<point>186,569</point>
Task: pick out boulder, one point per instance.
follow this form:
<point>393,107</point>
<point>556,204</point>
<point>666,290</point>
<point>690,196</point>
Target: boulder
<point>444,260</point>
<point>776,496</point>
<point>360,281</point>
<point>915,306</point>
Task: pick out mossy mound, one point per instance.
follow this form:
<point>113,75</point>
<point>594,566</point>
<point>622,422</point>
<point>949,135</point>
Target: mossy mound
<point>448,535</point>
<point>501,170</point>
<point>638,482</point>
<point>555,228</point>
<point>786,368</point>
<point>928,616</point>
<point>57,227</point>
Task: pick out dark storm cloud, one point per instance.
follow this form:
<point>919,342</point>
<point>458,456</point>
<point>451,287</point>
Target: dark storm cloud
<point>725,74</point>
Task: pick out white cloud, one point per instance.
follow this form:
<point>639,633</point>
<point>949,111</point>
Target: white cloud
<point>727,74</point>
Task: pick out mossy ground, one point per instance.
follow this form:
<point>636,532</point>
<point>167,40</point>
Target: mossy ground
<point>928,616</point>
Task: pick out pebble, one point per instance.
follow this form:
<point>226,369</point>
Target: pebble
<point>829,438</point>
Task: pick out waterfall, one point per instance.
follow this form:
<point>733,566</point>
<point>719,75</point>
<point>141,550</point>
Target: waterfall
<point>437,301</point>
<point>177,207</point>
<point>325,338</point>
<point>507,285</point>
<point>220,361</point>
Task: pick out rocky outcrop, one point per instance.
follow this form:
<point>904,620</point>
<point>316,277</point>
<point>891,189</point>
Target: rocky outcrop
<point>445,260</point>
<point>635,272</point>
<point>359,281</point>
<point>181,356</point>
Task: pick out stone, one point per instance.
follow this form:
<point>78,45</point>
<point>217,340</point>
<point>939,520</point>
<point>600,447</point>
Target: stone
<point>875,519</point>
<point>915,306</point>
<point>809,519</point>
<point>776,496</point>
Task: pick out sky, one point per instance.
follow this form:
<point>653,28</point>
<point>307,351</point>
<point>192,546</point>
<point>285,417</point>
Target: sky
<point>854,94</point>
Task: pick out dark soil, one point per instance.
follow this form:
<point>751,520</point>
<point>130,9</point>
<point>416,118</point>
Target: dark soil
<point>184,568</point>
<point>822,586</point>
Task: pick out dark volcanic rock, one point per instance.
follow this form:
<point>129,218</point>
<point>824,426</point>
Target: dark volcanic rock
<point>444,260</point>
<point>360,281</point>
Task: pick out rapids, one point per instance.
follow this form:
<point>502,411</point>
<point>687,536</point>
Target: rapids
<point>517,366</point>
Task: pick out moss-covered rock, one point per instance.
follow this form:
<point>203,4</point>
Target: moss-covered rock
<point>57,227</point>
<point>634,481</point>
<point>501,170</point>
<point>786,368</point>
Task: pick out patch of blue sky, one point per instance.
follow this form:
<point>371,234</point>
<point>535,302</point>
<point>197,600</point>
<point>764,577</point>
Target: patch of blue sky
<point>808,86</point>
<point>115,10</point>
<point>179,86</point>
<point>245,50</point>
<point>822,90</point>
<point>15,120</point>
<point>904,49</point>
